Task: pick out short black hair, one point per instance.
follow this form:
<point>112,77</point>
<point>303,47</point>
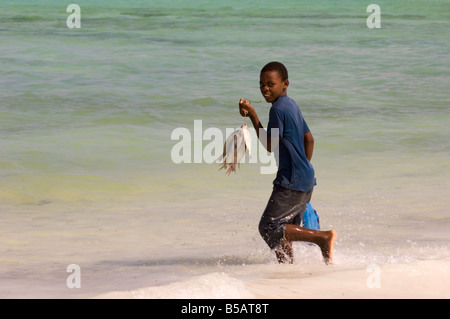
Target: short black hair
<point>276,66</point>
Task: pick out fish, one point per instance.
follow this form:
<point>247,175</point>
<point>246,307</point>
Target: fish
<point>234,149</point>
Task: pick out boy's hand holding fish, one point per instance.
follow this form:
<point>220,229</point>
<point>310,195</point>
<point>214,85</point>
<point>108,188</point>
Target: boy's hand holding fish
<point>245,108</point>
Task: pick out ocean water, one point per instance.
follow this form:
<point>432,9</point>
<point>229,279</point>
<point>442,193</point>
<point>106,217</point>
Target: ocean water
<point>89,119</point>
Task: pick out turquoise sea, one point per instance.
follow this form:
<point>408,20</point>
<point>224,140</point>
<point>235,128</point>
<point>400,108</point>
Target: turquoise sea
<point>87,121</point>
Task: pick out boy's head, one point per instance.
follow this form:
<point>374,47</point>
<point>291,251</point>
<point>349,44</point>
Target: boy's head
<point>276,66</point>
<point>273,81</point>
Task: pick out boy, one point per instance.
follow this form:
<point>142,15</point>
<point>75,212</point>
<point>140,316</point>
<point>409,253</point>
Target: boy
<point>295,179</point>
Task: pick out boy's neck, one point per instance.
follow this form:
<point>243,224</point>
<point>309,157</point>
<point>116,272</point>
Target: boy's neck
<point>282,95</point>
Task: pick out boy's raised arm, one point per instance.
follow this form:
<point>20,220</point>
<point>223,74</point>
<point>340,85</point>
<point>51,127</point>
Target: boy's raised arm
<point>246,110</point>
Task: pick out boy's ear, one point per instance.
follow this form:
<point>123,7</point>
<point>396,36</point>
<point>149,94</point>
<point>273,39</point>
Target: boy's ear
<point>286,82</point>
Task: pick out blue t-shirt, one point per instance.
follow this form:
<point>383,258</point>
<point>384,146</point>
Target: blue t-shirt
<point>294,170</point>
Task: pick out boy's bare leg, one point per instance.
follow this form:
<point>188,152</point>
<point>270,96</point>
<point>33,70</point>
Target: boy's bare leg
<point>324,239</point>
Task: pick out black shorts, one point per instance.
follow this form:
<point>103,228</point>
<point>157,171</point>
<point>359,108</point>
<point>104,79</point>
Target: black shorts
<point>285,206</point>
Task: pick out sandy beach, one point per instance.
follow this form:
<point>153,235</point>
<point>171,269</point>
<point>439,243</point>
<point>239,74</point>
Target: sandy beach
<point>417,280</point>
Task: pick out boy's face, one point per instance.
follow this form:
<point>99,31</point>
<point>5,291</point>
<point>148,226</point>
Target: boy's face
<point>271,86</point>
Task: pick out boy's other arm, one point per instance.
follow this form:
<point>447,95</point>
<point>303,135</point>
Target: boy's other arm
<point>308,141</point>
<point>246,110</point>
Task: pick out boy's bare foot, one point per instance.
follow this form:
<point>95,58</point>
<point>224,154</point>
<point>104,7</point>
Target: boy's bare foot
<point>324,239</point>
<point>328,246</point>
<point>284,252</point>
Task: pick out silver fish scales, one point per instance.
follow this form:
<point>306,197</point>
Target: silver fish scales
<point>235,147</point>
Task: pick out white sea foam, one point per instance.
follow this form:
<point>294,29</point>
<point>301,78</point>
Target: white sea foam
<point>419,279</point>
<point>212,285</point>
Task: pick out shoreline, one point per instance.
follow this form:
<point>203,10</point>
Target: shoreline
<point>415,280</point>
